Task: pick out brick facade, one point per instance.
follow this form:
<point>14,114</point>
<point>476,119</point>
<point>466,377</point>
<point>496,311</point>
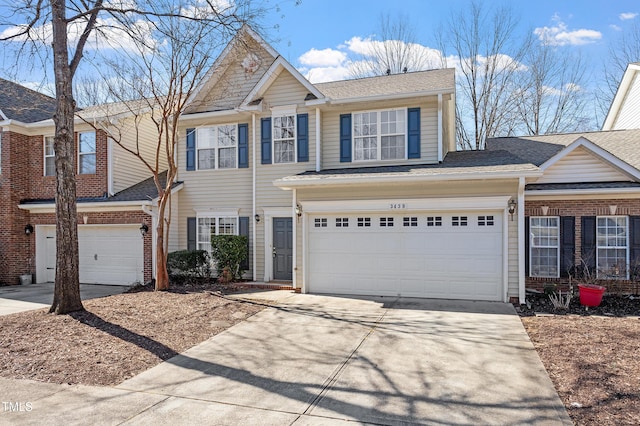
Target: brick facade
<point>22,178</point>
<point>579,208</point>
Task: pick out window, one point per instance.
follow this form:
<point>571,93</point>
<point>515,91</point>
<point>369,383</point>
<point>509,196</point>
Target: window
<point>434,221</point>
<point>284,139</point>
<point>342,222</point>
<point>545,246</point>
<point>386,221</point>
<point>212,225</point>
<point>485,220</point>
<point>364,222</point>
<point>459,221</point>
<point>410,221</point>
<point>612,243</point>
<point>216,147</point>
<point>379,135</point>
<point>320,222</point>
<point>87,153</point>
<point>49,157</point>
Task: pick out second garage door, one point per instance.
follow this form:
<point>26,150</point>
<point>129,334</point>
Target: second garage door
<point>452,255</point>
<point>111,254</point>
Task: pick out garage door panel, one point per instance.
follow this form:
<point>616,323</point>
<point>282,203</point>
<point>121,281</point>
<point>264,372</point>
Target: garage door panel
<point>441,260</point>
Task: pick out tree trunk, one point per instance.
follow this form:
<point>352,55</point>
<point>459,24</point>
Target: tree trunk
<point>66,296</point>
<point>162,275</point>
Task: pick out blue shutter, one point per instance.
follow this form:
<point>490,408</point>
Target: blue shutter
<point>634,247</point>
<point>191,149</point>
<point>243,230</point>
<point>265,139</point>
<point>243,146</point>
<point>191,233</point>
<point>413,126</point>
<point>588,247</point>
<point>303,137</point>
<point>345,138</point>
<point>567,245</point>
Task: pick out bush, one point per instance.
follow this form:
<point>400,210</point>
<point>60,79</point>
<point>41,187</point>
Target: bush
<point>189,263</point>
<point>228,252</point>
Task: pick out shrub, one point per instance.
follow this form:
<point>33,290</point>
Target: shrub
<point>228,252</point>
<point>189,263</point>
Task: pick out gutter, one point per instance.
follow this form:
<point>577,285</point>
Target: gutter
<point>387,97</point>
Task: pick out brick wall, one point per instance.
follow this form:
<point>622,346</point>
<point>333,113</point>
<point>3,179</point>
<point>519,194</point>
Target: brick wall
<point>579,208</point>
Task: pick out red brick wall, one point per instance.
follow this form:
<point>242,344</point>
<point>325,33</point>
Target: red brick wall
<point>579,208</point>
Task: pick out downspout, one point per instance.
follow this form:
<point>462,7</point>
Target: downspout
<point>254,231</point>
<point>295,240</point>
<point>521,237</point>
<point>154,236</point>
<point>318,153</point>
<point>440,128</point>
<point>110,166</point>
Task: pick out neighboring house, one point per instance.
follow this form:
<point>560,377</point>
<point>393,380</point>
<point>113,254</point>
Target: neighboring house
<point>624,112</point>
<point>114,199</point>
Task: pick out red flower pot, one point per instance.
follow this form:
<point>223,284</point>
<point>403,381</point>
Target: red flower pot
<point>590,294</point>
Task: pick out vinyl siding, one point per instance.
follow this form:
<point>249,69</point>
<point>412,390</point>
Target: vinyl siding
<point>129,169</point>
<point>428,132</point>
<point>629,115</point>
<point>409,191</point>
<point>581,166</point>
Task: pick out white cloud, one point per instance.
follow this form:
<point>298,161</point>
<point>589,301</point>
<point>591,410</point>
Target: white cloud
<point>560,35</point>
<point>627,15</point>
<point>323,58</point>
<point>324,74</point>
<point>614,27</point>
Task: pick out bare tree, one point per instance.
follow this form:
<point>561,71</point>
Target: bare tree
<point>488,58</point>
<point>153,85</point>
<point>394,50</point>
<point>552,97</point>
<point>51,22</point>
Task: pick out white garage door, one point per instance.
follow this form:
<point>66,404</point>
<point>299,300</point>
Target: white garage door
<point>110,254</point>
<point>435,255</point>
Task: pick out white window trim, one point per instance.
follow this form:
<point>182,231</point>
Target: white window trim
<point>216,147</point>
<point>94,153</point>
<point>217,216</point>
<point>626,246</point>
<point>531,247</point>
<point>288,112</point>
<point>45,156</point>
<point>379,136</point>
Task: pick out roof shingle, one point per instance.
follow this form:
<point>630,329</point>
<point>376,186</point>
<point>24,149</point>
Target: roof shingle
<point>22,104</point>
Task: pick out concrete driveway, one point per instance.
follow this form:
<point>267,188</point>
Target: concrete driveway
<point>20,298</point>
<point>319,360</point>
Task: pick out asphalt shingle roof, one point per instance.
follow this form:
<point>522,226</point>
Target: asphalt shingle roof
<point>20,103</point>
<point>624,144</point>
<point>394,84</point>
<point>580,185</point>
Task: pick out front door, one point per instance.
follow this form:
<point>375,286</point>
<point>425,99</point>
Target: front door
<point>282,248</point>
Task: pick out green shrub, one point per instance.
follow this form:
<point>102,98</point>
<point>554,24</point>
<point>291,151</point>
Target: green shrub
<point>229,251</point>
<point>189,263</point>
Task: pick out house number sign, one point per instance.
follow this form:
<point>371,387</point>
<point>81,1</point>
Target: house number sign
<point>397,206</point>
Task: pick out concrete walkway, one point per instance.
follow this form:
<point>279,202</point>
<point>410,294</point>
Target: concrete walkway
<point>19,298</point>
<point>319,360</point>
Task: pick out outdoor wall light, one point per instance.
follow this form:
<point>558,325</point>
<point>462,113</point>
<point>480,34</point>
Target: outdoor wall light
<point>28,229</point>
<point>298,210</point>
<point>512,207</point>
<point>144,229</point>
<point>257,218</point>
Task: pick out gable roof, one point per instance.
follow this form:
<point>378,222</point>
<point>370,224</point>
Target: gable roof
<point>413,83</point>
<point>623,144</point>
<point>626,84</point>
<point>23,104</point>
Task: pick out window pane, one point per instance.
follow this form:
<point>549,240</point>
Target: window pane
<point>87,142</point>
<point>227,226</point>
<point>87,163</point>
<point>206,228</point>
<point>206,159</point>
<point>612,243</point>
<point>545,245</point>
<point>205,137</point>
<point>392,147</point>
<point>227,158</point>
<point>50,166</point>
<point>366,148</point>
<point>48,146</point>
<point>284,152</point>
<point>226,136</point>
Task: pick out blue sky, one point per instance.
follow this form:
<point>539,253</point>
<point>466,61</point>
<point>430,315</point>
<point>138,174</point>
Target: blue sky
<point>588,26</point>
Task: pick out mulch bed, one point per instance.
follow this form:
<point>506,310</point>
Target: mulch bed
<point>592,356</point>
<point>117,337</point>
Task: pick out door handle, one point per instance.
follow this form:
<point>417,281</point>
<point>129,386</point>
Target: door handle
<point>274,252</point>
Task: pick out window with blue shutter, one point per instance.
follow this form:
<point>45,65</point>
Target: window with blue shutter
<point>243,145</point>
<point>345,138</point>
<point>634,247</point>
<point>413,126</point>
<point>191,149</point>
<point>303,137</point>
<point>265,140</point>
